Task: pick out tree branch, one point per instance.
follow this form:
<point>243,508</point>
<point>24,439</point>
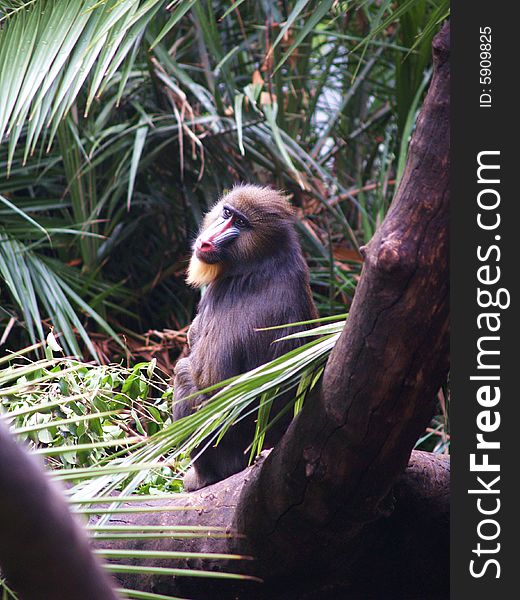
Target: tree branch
<point>333,471</point>
<point>407,546</point>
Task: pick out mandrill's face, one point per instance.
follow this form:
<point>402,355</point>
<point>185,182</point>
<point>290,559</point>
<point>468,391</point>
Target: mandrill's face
<point>247,225</point>
<point>218,238</point>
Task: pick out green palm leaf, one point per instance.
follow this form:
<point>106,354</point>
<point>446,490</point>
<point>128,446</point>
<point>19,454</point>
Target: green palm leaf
<point>50,47</point>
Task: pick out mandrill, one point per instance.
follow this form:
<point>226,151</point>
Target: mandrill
<point>249,257</point>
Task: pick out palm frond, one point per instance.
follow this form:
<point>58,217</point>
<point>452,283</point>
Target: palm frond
<point>38,291</point>
<point>50,47</point>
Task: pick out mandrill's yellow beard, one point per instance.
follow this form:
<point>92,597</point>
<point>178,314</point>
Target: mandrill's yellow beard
<point>201,273</point>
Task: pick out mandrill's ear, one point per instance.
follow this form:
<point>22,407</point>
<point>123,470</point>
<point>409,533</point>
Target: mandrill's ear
<point>201,273</point>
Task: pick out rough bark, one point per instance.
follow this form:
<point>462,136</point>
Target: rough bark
<point>409,546</point>
<point>332,472</point>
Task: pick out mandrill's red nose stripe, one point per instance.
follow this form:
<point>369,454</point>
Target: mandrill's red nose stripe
<point>206,243</point>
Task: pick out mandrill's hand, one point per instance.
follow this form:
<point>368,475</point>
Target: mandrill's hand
<point>183,386</point>
<point>182,367</point>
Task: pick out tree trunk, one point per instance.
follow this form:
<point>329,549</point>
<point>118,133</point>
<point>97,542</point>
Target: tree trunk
<point>409,547</point>
<point>332,472</point>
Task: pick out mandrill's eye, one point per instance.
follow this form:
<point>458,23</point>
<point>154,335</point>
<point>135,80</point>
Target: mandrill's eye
<point>240,223</point>
<point>226,213</point>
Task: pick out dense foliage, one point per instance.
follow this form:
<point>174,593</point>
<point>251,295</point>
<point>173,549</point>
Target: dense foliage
<point>107,166</point>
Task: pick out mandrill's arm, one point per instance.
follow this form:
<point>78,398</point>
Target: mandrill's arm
<point>184,384</point>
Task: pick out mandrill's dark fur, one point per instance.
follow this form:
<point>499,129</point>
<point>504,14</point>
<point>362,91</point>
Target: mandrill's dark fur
<point>256,276</point>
